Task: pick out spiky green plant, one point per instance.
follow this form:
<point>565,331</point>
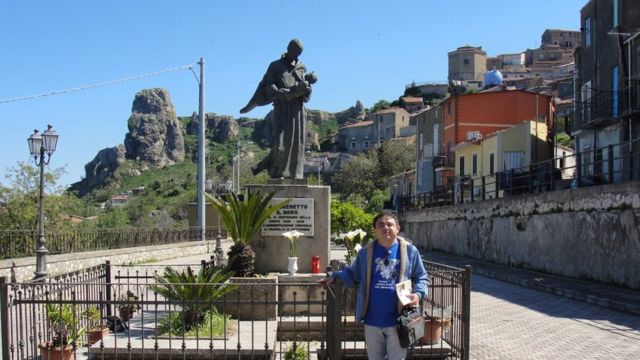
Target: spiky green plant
<point>65,325</point>
<point>243,219</point>
<point>193,293</point>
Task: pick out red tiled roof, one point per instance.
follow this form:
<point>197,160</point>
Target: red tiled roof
<point>359,124</point>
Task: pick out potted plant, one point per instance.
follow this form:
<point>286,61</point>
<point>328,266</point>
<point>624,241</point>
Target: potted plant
<point>97,329</point>
<point>296,352</point>
<point>353,241</point>
<point>128,306</point>
<point>243,219</point>
<point>292,236</point>
<point>67,333</point>
<point>194,292</point>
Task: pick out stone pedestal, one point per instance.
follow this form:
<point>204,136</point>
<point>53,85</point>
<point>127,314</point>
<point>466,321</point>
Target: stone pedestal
<point>272,251</point>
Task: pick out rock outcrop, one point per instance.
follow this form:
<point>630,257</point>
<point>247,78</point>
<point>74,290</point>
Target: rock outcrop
<point>101,170</point>
<point>155,136</point>
<point>354,112</point>
<point>221,127</point>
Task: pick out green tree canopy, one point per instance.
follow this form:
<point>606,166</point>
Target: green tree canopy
<point>20,199</point>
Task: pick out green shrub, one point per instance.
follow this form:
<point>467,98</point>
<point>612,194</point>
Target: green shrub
<point>212,324</point>
<point>296,352</point>
<point>346,217</point>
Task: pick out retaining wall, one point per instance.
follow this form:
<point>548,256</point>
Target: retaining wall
<point>64,263</point>
<point>588,233</point>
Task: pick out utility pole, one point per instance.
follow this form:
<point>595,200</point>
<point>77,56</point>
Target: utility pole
<point>201,222</point>
<point>237,174</point>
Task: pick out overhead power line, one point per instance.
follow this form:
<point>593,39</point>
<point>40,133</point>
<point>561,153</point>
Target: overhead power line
<point>92,86</point>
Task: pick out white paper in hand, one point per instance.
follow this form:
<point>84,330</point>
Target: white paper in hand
<point>403,290</point>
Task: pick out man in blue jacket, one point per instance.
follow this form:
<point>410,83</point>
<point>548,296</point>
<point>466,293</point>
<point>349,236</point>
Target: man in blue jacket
<point>378,267</point>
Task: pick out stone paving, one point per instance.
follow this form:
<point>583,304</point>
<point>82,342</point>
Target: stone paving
<point>513,322</point>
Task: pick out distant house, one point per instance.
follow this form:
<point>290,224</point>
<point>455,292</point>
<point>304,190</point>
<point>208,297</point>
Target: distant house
<point>412,103</point>
<point>488,112</point>
<point>429,148</point>
<point>118,200</point>
<point>357,137</point>
<point>403,184</point>
<point>514,148</point>
<point>388,122</point>
<point>607,100</point>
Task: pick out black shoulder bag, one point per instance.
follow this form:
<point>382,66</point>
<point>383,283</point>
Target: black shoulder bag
<point>410,326</point>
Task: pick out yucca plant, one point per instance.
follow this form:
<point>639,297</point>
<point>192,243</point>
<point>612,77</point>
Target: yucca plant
<point>243,219</point>
<point>194,293</point>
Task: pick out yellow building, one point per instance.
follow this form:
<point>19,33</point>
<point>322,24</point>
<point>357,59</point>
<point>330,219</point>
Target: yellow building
<point>515,148</point>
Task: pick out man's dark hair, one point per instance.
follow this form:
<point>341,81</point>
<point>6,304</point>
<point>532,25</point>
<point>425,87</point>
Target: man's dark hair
<point>386,213</point>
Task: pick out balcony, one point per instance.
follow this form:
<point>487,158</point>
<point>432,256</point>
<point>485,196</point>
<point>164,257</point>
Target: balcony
<point>606,108</point>
<point>630,99</point>
<point>601,110</point>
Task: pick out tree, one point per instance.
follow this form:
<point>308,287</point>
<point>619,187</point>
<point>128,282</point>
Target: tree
<point>345,216</point>
<point>358,176</point>
<point>395,157</point>
<point>380,105</point>
<point>20,199</point>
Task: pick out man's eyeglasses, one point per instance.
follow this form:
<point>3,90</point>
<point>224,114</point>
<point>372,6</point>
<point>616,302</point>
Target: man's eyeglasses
<point>386,258</point>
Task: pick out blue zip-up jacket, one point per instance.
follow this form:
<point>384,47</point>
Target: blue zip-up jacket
<point>359,274</point>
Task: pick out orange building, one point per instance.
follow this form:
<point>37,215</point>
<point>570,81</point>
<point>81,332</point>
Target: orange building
<point>468,116</point>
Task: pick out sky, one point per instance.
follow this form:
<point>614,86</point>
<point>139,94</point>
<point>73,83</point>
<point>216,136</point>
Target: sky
<point>363,50</point>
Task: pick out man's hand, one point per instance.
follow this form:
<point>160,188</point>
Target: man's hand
<point>415,300</point>
<point>325,282</point>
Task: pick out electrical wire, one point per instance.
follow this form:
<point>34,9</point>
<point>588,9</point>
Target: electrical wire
<point>96,85</point>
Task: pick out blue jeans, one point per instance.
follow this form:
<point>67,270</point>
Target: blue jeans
<point>382,343</point>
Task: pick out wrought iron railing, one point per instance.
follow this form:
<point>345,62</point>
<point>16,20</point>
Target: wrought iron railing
<point>267,318</point>
<point>606,165</point>
<point>21,243</point>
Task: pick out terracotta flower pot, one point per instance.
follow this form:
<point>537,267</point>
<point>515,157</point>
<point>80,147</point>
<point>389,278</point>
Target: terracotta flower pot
<point>56,353</point>
<point>125,313</point>
<point>95,335</point>
<point>433,330</point>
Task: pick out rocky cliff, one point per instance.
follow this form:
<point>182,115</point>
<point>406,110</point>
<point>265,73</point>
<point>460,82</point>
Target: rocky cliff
<point>220,127</point>
<point>101,170</point>
<point>155,136</point>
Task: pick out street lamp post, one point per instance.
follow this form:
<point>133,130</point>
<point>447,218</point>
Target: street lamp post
<point>39,145</point>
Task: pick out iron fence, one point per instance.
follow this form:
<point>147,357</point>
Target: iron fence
<point>605,165</point>
<point>21,243</point>
<point>266,317</point>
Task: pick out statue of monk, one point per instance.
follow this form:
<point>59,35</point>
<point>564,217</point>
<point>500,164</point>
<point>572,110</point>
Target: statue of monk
<point>287,85</point>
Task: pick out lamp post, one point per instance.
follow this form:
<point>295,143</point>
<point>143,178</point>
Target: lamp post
<point>39,145</point>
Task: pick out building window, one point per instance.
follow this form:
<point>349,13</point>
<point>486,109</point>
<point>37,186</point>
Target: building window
<point>615,12</point>
<point>366,144</point>
<point>513,160</point>
<point>353,145</point>
<point>465,61</point>
<point>587,31</point>
<point>474,165</point>
<point>585,94</point>
<point>461,165</point>
<point>436,139</point>
<point>449,108</point>
<point>492,168</point>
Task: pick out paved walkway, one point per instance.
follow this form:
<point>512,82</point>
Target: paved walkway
<point>519,314</point>
<point>611,297</point>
